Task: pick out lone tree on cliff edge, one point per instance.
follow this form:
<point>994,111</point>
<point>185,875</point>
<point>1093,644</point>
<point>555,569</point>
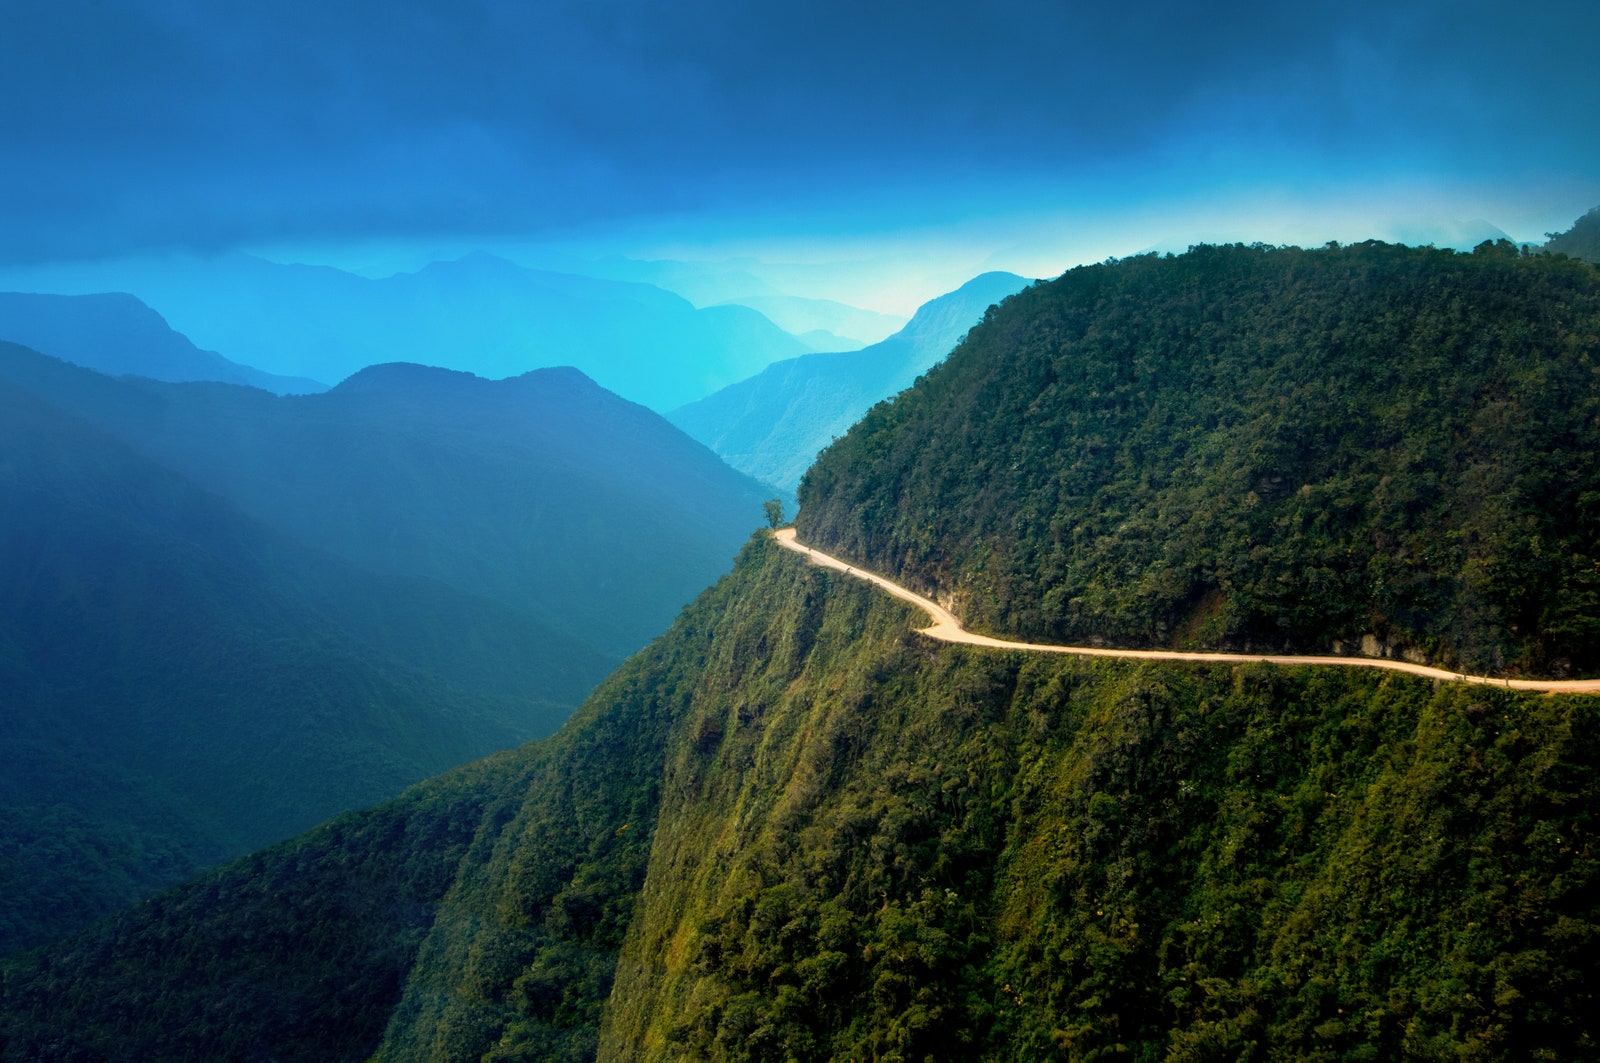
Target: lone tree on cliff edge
<point>774,511</point>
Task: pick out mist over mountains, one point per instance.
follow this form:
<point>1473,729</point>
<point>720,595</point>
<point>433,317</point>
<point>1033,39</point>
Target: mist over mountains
<point>119,335</point>
<point>479,314</point>
<point>516,489</point>
<point>226,615</point>
<point>184,684</point>
<point>772,425</point>
<point>826,324</point>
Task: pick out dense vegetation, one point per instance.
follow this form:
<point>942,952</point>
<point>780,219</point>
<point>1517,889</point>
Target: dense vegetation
<point>792,829</point>
<point>1250,446</point>
<point>1580,241</point>
<point>919,852</point>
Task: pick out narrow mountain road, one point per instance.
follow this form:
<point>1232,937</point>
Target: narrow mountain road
<point>947,628</point>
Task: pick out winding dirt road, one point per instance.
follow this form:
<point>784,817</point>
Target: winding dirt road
<point>947,628</point>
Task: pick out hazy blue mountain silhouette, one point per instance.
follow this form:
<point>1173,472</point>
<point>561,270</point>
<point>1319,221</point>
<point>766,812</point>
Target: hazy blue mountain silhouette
<point>479,314</point>
<point>545,492</point>
<point>772,425</point>
<point>181,684</point>
<point>850,327</point>
<point>116,333</point>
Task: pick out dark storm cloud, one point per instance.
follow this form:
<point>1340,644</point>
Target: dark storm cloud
<point>181,122</point>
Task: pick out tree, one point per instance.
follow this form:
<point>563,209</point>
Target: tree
<point>774,511</point>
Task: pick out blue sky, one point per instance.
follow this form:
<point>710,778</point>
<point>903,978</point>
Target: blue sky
<point>919,141</point>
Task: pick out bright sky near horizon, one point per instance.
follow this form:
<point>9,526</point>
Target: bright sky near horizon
<point>872,153</point>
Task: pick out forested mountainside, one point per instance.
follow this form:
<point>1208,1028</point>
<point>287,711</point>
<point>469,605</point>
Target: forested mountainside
<point>794,829</point>
<point>117,334</point>
<point>1255,447</point>
<point>772,425</point>
<point>1580,241</point>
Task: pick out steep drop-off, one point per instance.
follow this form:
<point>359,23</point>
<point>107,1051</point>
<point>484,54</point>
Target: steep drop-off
<point>794,829</point>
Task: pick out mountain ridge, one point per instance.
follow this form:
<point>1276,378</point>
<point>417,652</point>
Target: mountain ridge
<point>118,334</point>
<point>389,477</point>
<point>772,425</point>
<point>481,314</point>
<point>171,660</point>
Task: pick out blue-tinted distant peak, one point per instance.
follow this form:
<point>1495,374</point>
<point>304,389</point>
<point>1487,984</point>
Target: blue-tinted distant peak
<point>414,380</point>
<point>407,377</point>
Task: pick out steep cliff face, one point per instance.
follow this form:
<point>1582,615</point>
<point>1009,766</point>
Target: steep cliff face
<point>919,851</point>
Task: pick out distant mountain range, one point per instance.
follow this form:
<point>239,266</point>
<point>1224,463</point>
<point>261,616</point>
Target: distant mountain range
<point>207,591</point>
<point>772,425</point>
<point>168,662</point>
<point>480,314</point>
<point>527,490</point>
<point>825,324</point>
<point>116,333</point>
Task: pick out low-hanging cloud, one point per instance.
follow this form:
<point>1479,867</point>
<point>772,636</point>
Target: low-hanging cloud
<point>131,124</point>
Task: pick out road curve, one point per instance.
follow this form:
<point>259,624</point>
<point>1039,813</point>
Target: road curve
<point>946,628</point>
